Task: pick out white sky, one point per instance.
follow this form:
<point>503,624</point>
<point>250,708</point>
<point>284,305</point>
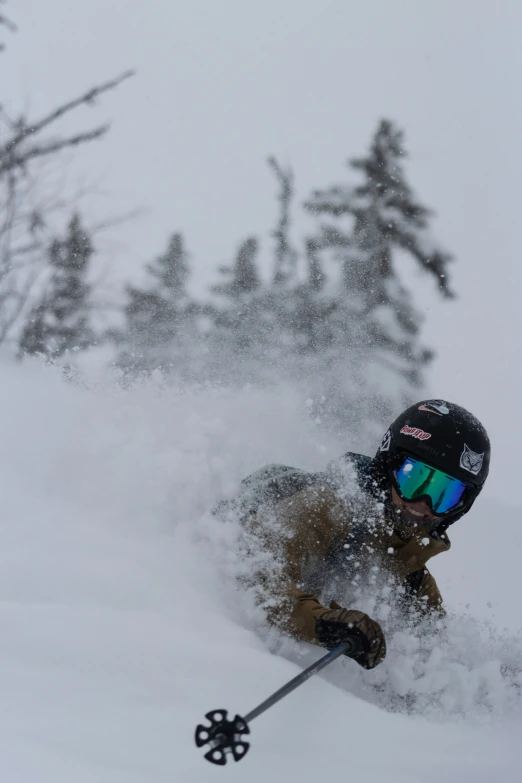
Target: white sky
<point>221,85</point>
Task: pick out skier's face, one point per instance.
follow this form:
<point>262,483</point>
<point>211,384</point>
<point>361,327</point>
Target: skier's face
<point>413,512</point>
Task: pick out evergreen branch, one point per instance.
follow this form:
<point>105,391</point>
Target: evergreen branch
<point>434,262</point>
<point>337,201</point>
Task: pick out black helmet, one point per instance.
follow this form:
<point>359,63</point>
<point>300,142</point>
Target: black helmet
<point>444,436</point>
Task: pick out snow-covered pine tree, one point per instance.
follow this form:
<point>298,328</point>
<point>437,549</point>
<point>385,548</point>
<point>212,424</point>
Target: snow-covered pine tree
<point>241,328</point>
<point>241,279</point>
<point>285,266</point>
<point>282,297</point>
<point>157,316</point>
<point>312,309</point>
<point>59,322</point>
<point>376,359</point>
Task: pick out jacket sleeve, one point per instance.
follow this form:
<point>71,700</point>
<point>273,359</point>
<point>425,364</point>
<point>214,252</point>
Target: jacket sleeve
<point>421,590</point>
<point>297,531</point>
<point>430,593</point>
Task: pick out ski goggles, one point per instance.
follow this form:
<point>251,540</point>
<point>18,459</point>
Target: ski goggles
<point>416,480</point>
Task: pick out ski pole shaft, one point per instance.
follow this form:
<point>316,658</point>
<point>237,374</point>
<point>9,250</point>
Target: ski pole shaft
<point>342,649</point>
<point>225,736</point>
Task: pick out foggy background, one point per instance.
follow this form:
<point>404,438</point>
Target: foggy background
<point>220,86</point>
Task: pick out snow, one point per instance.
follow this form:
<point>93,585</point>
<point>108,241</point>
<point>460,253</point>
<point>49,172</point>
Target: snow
<point>122,625</point>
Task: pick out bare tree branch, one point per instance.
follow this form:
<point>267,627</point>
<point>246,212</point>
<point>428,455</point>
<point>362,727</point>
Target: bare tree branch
<point>88,97</point>
<point>6,22</point>
<point>24,230</point>
<point>18,161</point>
<point>116,220</point>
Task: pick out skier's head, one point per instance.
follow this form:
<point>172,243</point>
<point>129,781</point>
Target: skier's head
<point>435,459</point>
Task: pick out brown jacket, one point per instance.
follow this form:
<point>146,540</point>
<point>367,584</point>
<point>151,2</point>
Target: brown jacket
<point>307,528</point>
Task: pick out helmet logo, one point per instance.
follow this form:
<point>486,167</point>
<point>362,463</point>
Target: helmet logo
<point>386,441</point>
<point>415,432</point>
<point>471,461</point>
<point>431,407</point>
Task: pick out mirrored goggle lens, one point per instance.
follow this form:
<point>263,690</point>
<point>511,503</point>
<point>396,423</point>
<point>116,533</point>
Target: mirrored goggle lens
<point>416,479</point>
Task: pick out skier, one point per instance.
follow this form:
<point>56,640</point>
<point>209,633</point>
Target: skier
<point>364,522</point>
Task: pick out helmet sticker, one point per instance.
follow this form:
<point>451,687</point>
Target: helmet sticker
<point>431,407</point>
<point>386,441</point>
<point>471,461</point>
<point>415,432</point>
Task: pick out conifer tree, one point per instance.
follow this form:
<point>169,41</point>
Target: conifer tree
<point>242,278</point>
<point>156,316</point>
<point>282,301</point>
<point>387,217</point>
<point>285,255</point>
<point>316,274</point>
<point>374,317</point>
<point>237,317</point>
<point>60,320</point>
<point>312,311</point>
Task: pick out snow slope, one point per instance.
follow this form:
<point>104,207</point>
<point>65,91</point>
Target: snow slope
<point>121,624</point>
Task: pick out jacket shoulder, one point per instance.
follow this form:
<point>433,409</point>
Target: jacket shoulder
<point>352,468</point>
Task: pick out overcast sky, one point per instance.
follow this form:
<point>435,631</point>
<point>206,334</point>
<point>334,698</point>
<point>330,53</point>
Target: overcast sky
<point>221,84</point>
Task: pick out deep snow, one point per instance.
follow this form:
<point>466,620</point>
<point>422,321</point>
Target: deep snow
<point>122,623</point>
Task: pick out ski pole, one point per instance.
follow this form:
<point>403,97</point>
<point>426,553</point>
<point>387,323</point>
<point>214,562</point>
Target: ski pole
<point>226,736</point>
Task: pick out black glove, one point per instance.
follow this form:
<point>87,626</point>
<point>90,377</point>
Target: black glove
<point>338,625</point>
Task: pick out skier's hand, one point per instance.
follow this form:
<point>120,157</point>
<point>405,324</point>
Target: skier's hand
<point>338,624</point>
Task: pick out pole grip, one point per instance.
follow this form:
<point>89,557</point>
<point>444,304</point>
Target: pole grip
<point>354,646</point>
